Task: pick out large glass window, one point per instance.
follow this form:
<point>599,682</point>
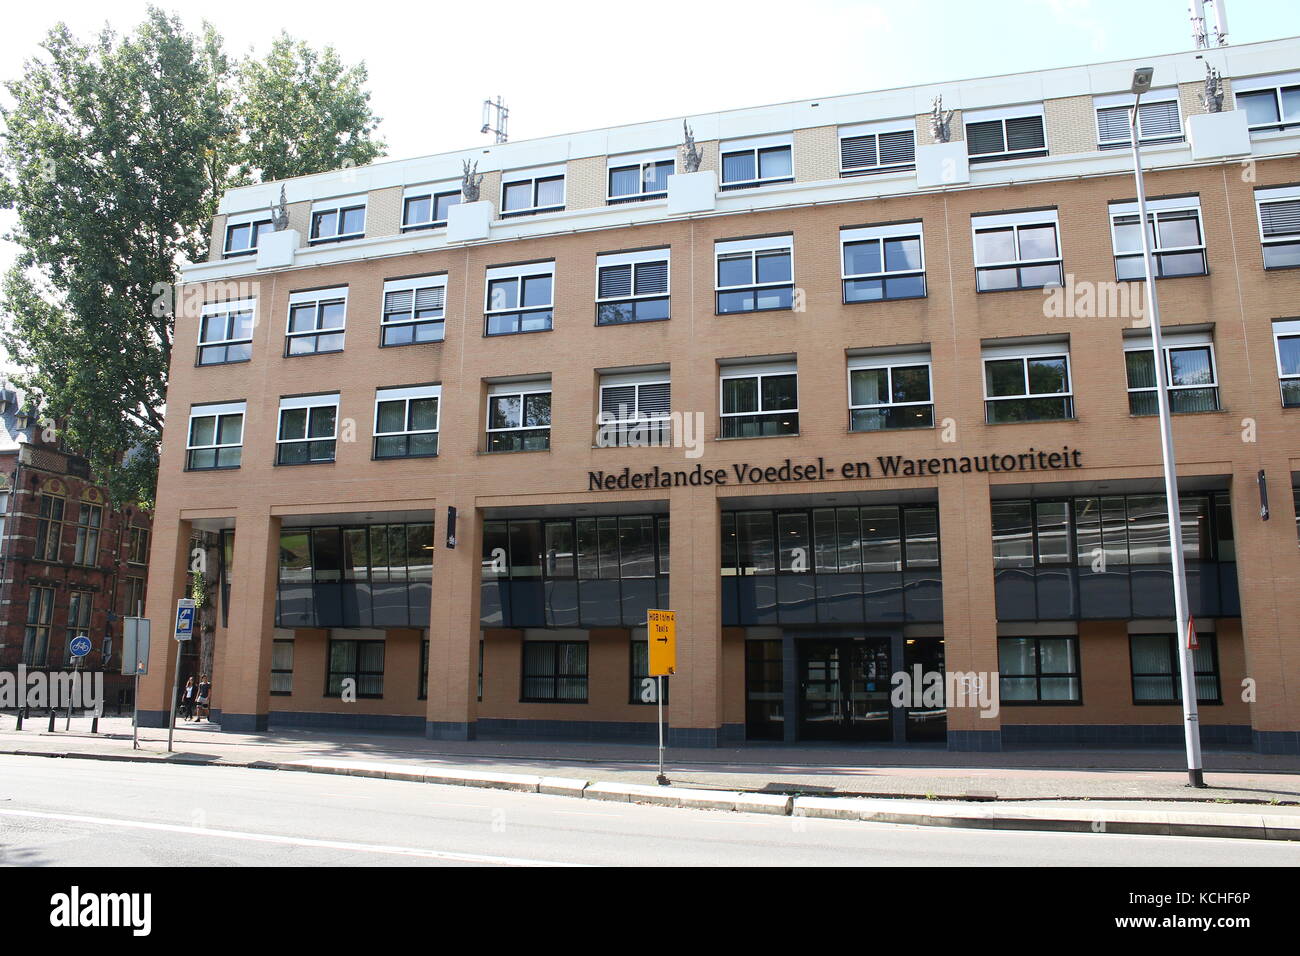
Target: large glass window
<point>1011,137</point>
<point>406,422</point>
<point>427,208</point>
<point>632,287</point>
<point>216,436</point>
<point>519,418</point>
<point>226,333</point>
<point>36,636</point>
<point>555,672</point>
<point>281,668</point>
<point>883,262</point>
<point>745,166</point>
<point>1177,243</point>
<point>755,276</point>
<point>49,529</point>
<point>888,396</point>
<point>340,222</point>
<point>316,322</point>
<point>520,299</point>
<point>414,311</point>
<point>638,181</point>
<point>90,519</point>
<point>1286,342</point>
<point>81,605</point>
<point>760,404</point>
<point>1279,226</point>
<point>1270,107</point>
<point>603,548</point>
<point>526,196</point>
<point>308,430</point>
<point>1193,384</point>
<point>845,540</point>
<point>242,238</point>
<point>359,662</point>
<point>1027,388</point>
<point>1017,251</point>
<point>1156,669</point>
<point>1039,670</point>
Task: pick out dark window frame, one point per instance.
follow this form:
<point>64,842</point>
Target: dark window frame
<point>357,673</point>
<point>1174,674</point>
<point>1039,673</point>
<point>338,212</point>
<point>555,675</point>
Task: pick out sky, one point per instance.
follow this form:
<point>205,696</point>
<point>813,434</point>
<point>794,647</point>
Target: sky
<point>568,66</point>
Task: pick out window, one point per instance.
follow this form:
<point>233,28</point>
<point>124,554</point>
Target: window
<point>890,391</point>
<point>555,672</point>
<point>316,321</point>
<point>1158,119</point>
<point>1039,670</point>
<point>36,637</point>
<point>519,298</point>
<point>877,148</point>
<point>519,416</point>
<point>759,401</point>
<point>1193,385</point>
<point>526,194</point>
<point>1014,133</point>
<point>133,598</point>
<point>1156,669</point>
<point>308,428</point>
<point>282,668</point>
<point>634,409</point>
<point>414,310</point>
<point>1017,251</point>
<point>80,606</point>
<point>242,237</point>
<point>49,529</point>
<point>1279,226</point>
<point>1027,386</point>
<point>4,513</point>
<point>216,438</point>
<point>755,275</point>
<point>138,546</point>
<point>635,179</point>
<point>644,689</point>
<point>1286,343</point>
<point>883,262</point>
<point>425,207</point>
<point>845,540</point>
<point>226,332</point>
<point>338,219</point>
<point>632,287</point>
<point>361,662</point>
<point>422,691</point>
<point>607,548</point>
<point>406,421</point>
<point>90,519</point>
<point>1270,102</point>
<point>1173,230</point>
<point>751,163</point>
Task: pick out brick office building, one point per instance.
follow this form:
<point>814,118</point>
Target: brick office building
<point>890,444</point>
<point>70,564</point>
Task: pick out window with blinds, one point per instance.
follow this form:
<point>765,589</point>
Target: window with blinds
<point>634,414</point>
<point>877,152</point>
<point>554,672</point>
<point>632,288</point>
<point>1157,123</point>
<point>414,311</point>
<point>1016,137</point>
<point>1279,227</point>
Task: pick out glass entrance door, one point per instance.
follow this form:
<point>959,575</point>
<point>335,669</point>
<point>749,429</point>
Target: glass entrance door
<point>844,686</point>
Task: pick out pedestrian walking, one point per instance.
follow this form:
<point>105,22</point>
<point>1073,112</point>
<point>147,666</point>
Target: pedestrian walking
<point>201,701</point>
<point>188,696</point>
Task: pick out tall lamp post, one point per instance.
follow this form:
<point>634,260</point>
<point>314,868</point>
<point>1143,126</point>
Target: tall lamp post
<point>1187,668</point>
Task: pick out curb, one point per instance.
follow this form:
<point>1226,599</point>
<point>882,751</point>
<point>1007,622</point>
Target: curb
<point>927,813</point>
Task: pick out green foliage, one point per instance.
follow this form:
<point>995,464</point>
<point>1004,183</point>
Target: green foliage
<point>114,154</point>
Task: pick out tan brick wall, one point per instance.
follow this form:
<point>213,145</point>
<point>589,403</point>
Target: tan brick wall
<point>585,183</point>
<point>300,219</point>
<point>217,238</point>
<point>384,212</point>
<point>1189,98</point>
<point>956,128</point>
<point>1071,125</point>
<point>816,154</point>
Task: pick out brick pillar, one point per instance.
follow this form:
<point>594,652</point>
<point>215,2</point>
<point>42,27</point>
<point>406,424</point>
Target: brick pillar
<point>1268,566</point>
<point>695,539</point>
<point>169,565</point>
<point>970,623</point>
<point>451,710</point>
<point>245,672</point>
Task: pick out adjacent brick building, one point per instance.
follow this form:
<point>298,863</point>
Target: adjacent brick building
<point>891,446</point>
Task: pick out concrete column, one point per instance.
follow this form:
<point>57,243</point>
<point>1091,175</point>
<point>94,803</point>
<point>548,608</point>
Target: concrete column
<point>245,674</point>
<point>970,627</point>
<point>169,565</point>
<point>451,710</point>
<point>695,715</point>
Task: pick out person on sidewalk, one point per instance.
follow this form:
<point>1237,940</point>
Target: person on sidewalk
<point>187,699</point>
<point>201,701</point>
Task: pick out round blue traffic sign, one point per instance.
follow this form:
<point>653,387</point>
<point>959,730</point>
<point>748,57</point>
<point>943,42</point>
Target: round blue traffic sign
<point>79,646</point>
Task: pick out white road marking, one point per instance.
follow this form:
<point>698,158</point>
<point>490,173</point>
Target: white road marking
<point>291,841</point>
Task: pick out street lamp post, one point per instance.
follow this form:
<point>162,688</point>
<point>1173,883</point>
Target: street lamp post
<point>1187,668</point>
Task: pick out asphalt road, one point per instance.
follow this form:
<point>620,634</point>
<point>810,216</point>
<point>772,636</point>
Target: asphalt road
<point>85,813</point>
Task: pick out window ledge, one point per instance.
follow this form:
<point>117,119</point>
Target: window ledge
<point>903,428</point>
<point>515,451</point>
<point>1040,421</point>
<point>754,437</point>
<point>1208,411</point>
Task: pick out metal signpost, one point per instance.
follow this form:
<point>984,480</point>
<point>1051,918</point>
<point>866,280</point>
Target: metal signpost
<point>662,645</point>
<point>135,661</point>
<point>184,631</point>
<point>78,648</point>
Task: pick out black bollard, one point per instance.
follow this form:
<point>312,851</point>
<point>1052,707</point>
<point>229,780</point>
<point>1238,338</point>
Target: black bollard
<point>51,720</point>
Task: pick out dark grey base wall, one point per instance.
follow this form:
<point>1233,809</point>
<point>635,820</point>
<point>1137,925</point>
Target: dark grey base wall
<point>387,723</point>
<point>450,730</point>
<point>1277,741</point>
<point>984,741</point>
<point>1125,735</point>
<point>244,723</point>
<point>606,730</point>
<point>153,718</point>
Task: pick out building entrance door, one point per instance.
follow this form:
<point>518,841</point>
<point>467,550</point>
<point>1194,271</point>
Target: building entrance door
<point>844,687</point>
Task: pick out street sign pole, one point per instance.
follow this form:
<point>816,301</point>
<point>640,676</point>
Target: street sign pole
<point>183,631</point>
<point>661,660</point>
<point>135,691</point>
<point>659,696</point>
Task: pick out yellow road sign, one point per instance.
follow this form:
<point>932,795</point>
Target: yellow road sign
<point>662,627</point>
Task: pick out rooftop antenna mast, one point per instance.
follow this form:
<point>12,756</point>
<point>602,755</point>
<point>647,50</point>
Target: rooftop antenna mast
<point>495,118</point>
<point>1201,29</point>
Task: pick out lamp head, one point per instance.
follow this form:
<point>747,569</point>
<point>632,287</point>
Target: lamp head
<point>1141,79</point>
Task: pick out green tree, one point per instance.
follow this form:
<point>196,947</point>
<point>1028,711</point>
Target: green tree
<point>114,154</point>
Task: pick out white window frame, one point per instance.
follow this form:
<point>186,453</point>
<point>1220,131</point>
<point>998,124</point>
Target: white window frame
<point>431,192</point>
<point>901,125</point>
<point>317,298</point>
<point>338,206</point>
<point>527,270</point>
<point>1125,101</point>
<point>758,372</point>
<point>257,221</point>
<point>652,425</point>
<point>1273,83</point>
<point>634,260</point>
<point>533,176</point>
<point>413,285</point>
<point>1015,221</point>
<point>754,146</point>
<point>406,395</point>
<point>641,161</point>
<point>1287,329</point>
<point>228,309</point>
<point>522,389</point>
<point>216,412</point>
<point>1026,352</point>
<point>310,403</point>
<point>1270,196</point>
<point>890,361</point>
<point>1173,342</point>
<point>730,248</point>
<point>1156,208</point>
<point>1002,114</point>
<point>901,230</point>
